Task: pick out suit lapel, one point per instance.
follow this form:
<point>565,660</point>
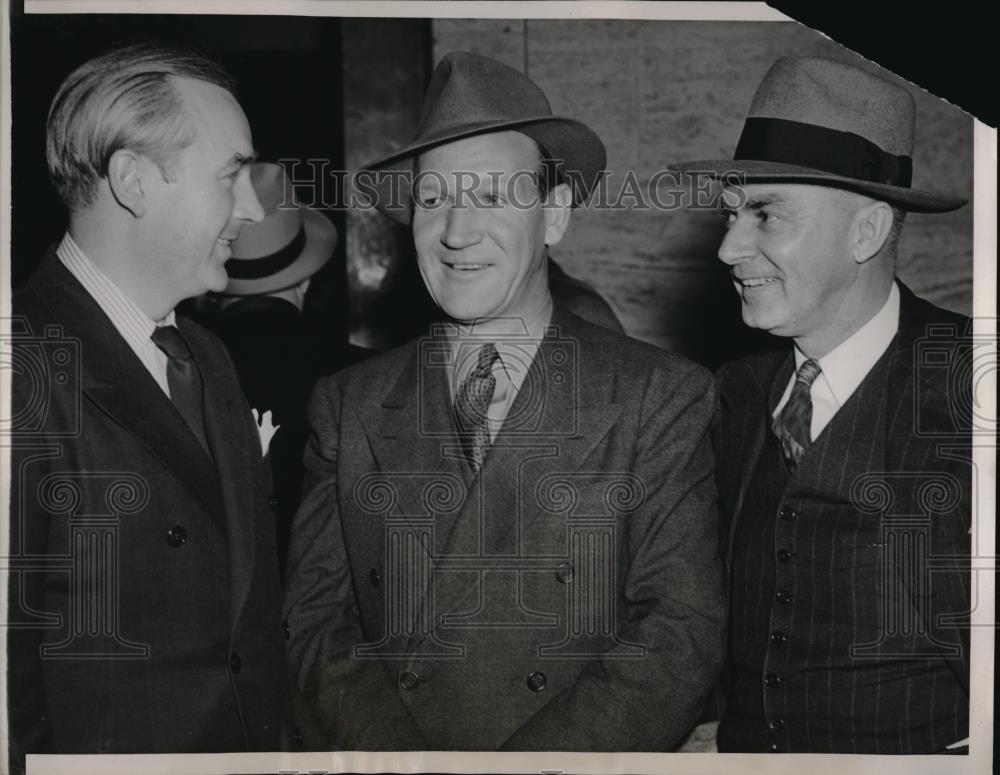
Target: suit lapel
<point>565,407</point>
<point>237,455</point>
<point>412,438</point>
<point>770,383</point>
<point>115,380</point>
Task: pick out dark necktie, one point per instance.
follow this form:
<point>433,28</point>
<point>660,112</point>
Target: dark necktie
<point>471,404</point>
<point>793,425</point>
<point>183,379</point>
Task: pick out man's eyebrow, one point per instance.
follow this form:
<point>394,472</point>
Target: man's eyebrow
<point>238,160</point>
<point>765,200</point>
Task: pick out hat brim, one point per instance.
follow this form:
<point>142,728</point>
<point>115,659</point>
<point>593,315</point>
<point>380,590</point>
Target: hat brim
<point>576,146</point>
<point>750,171</point>
<point>321,241</point>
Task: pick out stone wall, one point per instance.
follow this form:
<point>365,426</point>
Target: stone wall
<point>659,92</point>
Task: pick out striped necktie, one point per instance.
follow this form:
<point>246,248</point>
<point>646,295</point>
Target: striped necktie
<point>793,424</point>
<point>471,405</point>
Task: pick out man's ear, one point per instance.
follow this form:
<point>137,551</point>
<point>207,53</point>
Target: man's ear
<point>872,224</point>
<point>557,208</point>
<point>125,170</point>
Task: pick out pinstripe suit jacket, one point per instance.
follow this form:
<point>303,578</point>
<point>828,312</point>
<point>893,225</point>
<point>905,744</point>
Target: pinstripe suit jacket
<point>568,597</point>
<point>145,600</point>
<point>855,613</point>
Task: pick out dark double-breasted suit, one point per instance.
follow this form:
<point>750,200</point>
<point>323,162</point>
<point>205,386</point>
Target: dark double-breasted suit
<point>144,596</point>
<point>849,576</point>
<point>567,597</point>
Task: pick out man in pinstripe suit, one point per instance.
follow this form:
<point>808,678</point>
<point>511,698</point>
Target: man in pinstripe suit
<point>840,459</point>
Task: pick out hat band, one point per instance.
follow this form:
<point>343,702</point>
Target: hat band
<point>829,150</point>
<point>265,266</point>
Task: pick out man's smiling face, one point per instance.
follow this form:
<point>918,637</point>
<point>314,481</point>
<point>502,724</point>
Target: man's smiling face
<point>788,249</point>
<point>480,229</point>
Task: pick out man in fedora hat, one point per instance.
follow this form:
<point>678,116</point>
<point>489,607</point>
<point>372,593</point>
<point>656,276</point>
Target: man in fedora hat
<point>146,615</point>
<point>277,355</point>
<point>507,540</point>
<point>841,639</point>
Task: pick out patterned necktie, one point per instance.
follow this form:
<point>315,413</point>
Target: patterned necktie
<point>793,425</point>
<point>183,379</point>
<point>471,404</point>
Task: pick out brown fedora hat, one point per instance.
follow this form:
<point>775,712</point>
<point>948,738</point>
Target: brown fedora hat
<point>290,244</point>
<point>828,123</point>
<point>471,95</point>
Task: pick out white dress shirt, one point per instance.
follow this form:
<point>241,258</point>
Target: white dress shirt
<point>846,365</point>
<point>516,340</point>
<point>132,323</point>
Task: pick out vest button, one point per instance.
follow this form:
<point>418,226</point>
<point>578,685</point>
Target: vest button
<point>297,737</point>
<point>287,629</point>
<point>774,747</point>
<point>537,681</point>
<point>772,680</point>
<point>177,536</point>
<point>784,555</point>
<point>409,681</point>
<point>778,637</point>
<point>784,596</point>
<point>787,513</point>
<point>375,577</point>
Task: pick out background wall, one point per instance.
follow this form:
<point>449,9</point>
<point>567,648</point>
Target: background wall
<point>658,92</point>
<point>348,91</point>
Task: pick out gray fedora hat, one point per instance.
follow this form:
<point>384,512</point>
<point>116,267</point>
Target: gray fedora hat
<point>471,95</point>
<point>828,123</point>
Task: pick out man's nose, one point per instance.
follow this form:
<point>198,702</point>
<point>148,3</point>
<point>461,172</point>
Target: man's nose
<point>738,244</point>
<point>461,228</point>
<point>247,206</point>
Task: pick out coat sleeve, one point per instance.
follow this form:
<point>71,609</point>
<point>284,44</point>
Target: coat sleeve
<point>674,598</point>
<point>354,702</point>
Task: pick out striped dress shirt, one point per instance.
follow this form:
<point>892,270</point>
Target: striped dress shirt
<point>132,323</point>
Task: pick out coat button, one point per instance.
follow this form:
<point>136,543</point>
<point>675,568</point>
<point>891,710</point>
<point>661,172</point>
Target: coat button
<point>297,737</point>
<point>784,596</point>
<point>287,629</point>
<point>375,577</point>
<point>784,555</point>
<point>564,573</point>
<point>776,724</point>
<point>235,663</point>
<point>537,681</point>
<point>409,681</point>
<point>774,747</point>
<point>772,680</point>
<point>273,502</point>
<point>788,514</point>
<point>778,637</point>
<point>177,536</point>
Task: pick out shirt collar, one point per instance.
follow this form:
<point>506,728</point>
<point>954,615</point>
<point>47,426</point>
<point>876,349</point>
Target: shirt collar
<point>516,340</point>
<point>846,365</point>
<point>104,289</point>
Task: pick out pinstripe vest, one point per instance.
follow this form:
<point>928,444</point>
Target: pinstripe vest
<point>828,647</point>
